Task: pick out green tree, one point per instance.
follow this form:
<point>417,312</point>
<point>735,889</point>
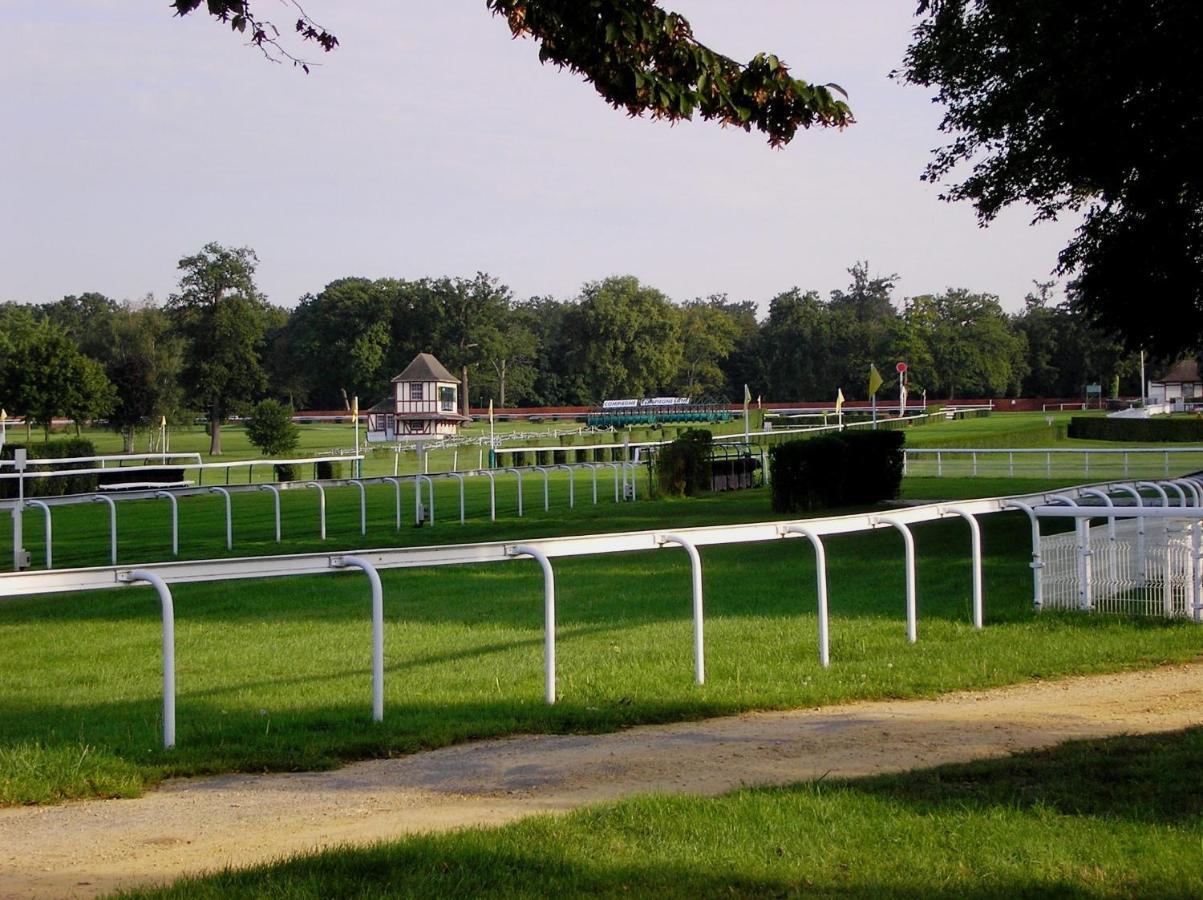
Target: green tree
<point>625,339</point>
<point>469,330</point>
<point>144,365</point>
<point>708,337</point>
<point>970,342</point>
<point>270,428</point>
<point>637,56</point>
<point>510,367</point>
<point>222,319</point>
<point>796,345</point>
<point>1047,106</point>
<point>45,376</point>
<point>87,319</point>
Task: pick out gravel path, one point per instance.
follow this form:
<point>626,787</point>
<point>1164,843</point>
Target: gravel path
<point>187,826</point>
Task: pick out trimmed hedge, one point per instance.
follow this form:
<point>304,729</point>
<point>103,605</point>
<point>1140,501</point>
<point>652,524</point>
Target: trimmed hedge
<point>846,469</point>
<point>325,471</point>
<point>1156,429</point>
<point>51,487</point>
<point>683,467</point>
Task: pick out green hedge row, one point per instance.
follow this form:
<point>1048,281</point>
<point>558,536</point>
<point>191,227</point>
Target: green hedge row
<point>51,487</point>
<point>846,469</point>
<point>1158,428</point>
<point>683,467</point>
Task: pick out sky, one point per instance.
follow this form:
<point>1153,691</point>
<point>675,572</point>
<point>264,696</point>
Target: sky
<point>431,143</point>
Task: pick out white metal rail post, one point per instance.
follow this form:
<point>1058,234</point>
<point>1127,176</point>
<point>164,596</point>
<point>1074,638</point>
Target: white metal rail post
<point>459,476</point>
<point>49,531</point>
<point>112,525</point>
<point>275,492</point>
<point>1082,538</point>
<point>168,648</point>
<point>397,490</point>
<point>377,629</point>
<point>614,466</point>
<point>975,535</point>
<point>492,493</point>
<point>517,472</point>
<point>549,617</point>
<point>1140,529</point>
<point>1037,560</point>
<point>1095,492</point>
<point>821,585</point>
<point>593,467</point>
<point>418,479</point>
<point>321,505</point>
<point>543,469</point>
<point>695,567</point>
<point>633,471</point>
<point>229,516</point>
<point>571,484</point>
<point>908,543</point>
<point>175,521</point>
<point>363,505</point>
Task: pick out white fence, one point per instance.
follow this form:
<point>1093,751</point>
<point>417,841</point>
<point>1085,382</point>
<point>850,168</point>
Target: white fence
<point>162,575</point>
<point>1049,461</point>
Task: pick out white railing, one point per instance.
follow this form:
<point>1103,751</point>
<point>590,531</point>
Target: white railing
<point>1040,460</point>
<point>543,550</point>
<point>119,458</point>
<point>200,467</point>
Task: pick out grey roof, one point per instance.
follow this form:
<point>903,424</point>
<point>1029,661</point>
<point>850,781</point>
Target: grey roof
<point>426,368</point>
<point>1185,371</point>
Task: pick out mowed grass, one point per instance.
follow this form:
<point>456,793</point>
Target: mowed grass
<point>274,674</point>
<point>1110,818</point>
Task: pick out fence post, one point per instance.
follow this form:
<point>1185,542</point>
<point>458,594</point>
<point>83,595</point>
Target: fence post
<point>377,629</point>
<point>549,617</point>
<point>100,498</point>
<point>175,521</point>
<point>821,585</point>
<point>418,479</point>
<point>975,536</point>
<point>276,503</point>
<point>168,649</point>
<point>49,530</point>
<point>517,472</point>
<point>1037,560</point>
<point>1140,531</point>
<point>321,505</point>
<point>695,565</point>
<point>460,478</point>
<point>571,484</point>
<point>397,488</point>
<point>363,505</point>
<point>545,485</point>
<point>908,542</point>
<point>229,516</point>
<point>492,493</point>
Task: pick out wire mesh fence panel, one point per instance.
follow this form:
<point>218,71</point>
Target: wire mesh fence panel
<point>1122,570</point>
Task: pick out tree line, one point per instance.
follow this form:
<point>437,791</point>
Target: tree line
<point>217,345</point>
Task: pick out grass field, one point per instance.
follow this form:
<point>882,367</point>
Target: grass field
<point>274,674</point>
<point>1112,818</point>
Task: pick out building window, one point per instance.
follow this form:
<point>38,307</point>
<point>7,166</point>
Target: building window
<point>447,399</point>
<point>415,390</point>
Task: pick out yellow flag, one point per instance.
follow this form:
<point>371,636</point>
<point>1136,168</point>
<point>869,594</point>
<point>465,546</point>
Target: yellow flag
<point>355,406</point>
<point>490,411</point>
<point>162,421</point>
<point>874,379</point>
<point>839,400</point>
<point>747,395</point>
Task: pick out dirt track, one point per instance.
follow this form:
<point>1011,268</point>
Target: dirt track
<point>84,849</point>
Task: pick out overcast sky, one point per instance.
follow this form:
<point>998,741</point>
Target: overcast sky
<point>431,143</point>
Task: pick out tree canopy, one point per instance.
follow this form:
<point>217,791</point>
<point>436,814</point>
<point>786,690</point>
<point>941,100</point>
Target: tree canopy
<point>1087,107</point>
<point>638,57</point>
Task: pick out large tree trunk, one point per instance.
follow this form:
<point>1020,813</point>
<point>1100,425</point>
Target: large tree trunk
<point>463,389</point>
<point>128,434</point>
<point>215,432</point>
<point>501,384</point>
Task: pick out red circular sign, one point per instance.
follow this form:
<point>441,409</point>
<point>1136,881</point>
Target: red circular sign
<point>900,368</point>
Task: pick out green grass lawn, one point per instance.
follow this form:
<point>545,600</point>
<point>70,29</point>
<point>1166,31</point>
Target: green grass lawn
<point>274,674</point>
<point>1110,818</point>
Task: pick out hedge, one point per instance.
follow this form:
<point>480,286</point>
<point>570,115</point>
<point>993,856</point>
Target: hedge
<point>850,468</point>
<point>51,487</point>
<point>1156,429</point>
<point>683,467</point>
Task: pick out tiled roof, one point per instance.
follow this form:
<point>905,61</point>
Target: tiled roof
<point>426,368</point>
<point>1184,371</point>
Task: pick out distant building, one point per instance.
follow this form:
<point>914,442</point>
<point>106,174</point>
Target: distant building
<point>1179,386</point>
<point>423,404</point>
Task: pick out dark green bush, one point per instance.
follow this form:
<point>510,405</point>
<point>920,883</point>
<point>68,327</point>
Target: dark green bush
<point>285,472</point>
<point>1156,429</point>
<point>52,487</point>
<point>853,467</point>
<point>328,470</point>
<point>683,467</point>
